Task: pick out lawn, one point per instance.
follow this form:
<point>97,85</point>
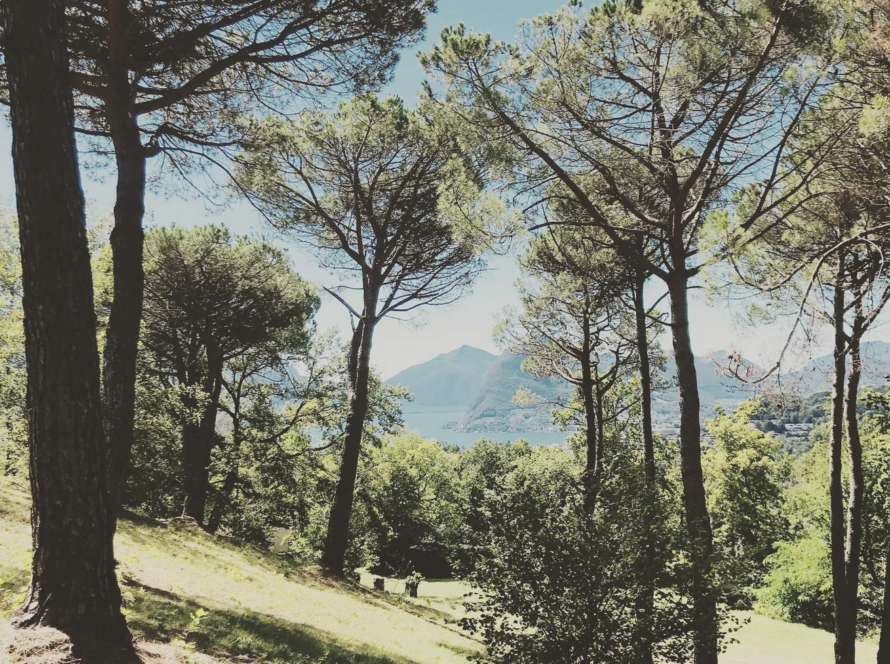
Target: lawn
<point>206,595</point>
<point>255,607</point>
<point>767,641</point>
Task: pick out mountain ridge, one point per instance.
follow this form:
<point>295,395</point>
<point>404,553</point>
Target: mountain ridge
<point>483,385</point>
<point>447,380</point>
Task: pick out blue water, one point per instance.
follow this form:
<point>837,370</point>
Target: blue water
<point>430,422</point>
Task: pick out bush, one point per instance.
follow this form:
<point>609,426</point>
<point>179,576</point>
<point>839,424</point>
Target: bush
<point>798,585</point>
<point>745,473</point>
<point>571,582</point>
<point>410,497</point>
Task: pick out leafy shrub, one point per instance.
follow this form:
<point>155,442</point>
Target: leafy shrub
<point>559,585</point>
<point>745,474</point>
<point>798,585</point>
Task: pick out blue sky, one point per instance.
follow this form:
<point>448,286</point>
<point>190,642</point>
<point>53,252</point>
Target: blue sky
<point>399,344</point>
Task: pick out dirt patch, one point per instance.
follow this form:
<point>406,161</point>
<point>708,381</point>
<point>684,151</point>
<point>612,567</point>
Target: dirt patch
<point>43,645</point>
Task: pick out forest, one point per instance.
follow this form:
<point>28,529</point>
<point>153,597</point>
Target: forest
<point>195,472</point>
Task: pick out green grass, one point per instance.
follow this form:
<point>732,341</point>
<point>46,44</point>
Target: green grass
<point>767,641</point>
<point>259,609</point>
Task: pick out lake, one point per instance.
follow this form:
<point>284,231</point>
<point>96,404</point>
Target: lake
<point>430,423</point>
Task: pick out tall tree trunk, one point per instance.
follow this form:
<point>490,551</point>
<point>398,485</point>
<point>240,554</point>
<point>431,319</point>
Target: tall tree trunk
<point>844,628</point>
<point>642,343</point>
<point>73,585</point>
<point>337,539</point>
<point>198,441</point>
<point>698,522</point>
<point>592,461</point>
<point>587,388</point>
<point>647,603</point>
<point>231,479</point>
<point>856,481</point>
<point>884,642</point>
<point>122,333</point>
<point>228,488</point>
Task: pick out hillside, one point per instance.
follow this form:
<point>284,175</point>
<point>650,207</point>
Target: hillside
<point>816,376</point>
<point>258,608</point>
<point>493,409</point>
<point>450,379</point>
<point>483,386</point>
<point>715,387</point>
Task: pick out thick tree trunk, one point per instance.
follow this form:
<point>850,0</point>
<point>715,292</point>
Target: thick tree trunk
<point>73,585</point>
<point>337,540</point>
<point>122,333</point>
<point>198,440</point>
<point>844,627</point>
<point>647,603</point>
<point>698,522</point>
<point>195,464</point>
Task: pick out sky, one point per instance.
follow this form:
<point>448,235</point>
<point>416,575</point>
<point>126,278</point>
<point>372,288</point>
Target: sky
<point>399,344</point>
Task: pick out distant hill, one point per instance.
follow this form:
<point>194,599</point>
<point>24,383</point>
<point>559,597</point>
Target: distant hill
<point>714,386</point>
<point>450,379</point>
<point>817,375</point>
<point>483,385</point>
<point>492,408</point>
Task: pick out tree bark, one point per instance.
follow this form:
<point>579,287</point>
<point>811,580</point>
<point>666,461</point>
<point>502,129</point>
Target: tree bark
<point>844,627</point>
<point>215,519</point>
<point>884,641</point>
<point>73,586</point>
<point>231,479</point>
<point>645,378</point>
<point>198,440</point>
<point>122,333</point>
<point>647,608</point>
<point>856,481</point>
<point>592,461</point>
<point>853,549</point>
<point>698,522</point>
<point>337,539</point>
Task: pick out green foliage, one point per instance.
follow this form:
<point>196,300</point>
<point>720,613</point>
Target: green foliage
<point>155,481</point>
<point>13,417</point>
<point>196,72</point>
<point>410,493</point>
<point>798,585</point>
<point>375,190</point>
<point>557,584</point>
<point>482,470</point>
<point>745,475</point>
<point>224,318</point>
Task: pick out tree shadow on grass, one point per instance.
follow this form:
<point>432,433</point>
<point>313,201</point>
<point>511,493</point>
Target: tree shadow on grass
<point>158,615</point>
<point>196,546</point>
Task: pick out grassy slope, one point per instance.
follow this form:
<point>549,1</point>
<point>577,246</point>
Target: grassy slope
<point>256,606</point>
<point>259,609</point>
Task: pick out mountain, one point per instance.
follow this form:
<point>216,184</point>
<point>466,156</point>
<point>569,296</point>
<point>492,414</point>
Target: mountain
<point>715,387</point>
<point>817,375</point>
<point>493,409</point>
<point>483,386</point>
<point>448,380</point>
